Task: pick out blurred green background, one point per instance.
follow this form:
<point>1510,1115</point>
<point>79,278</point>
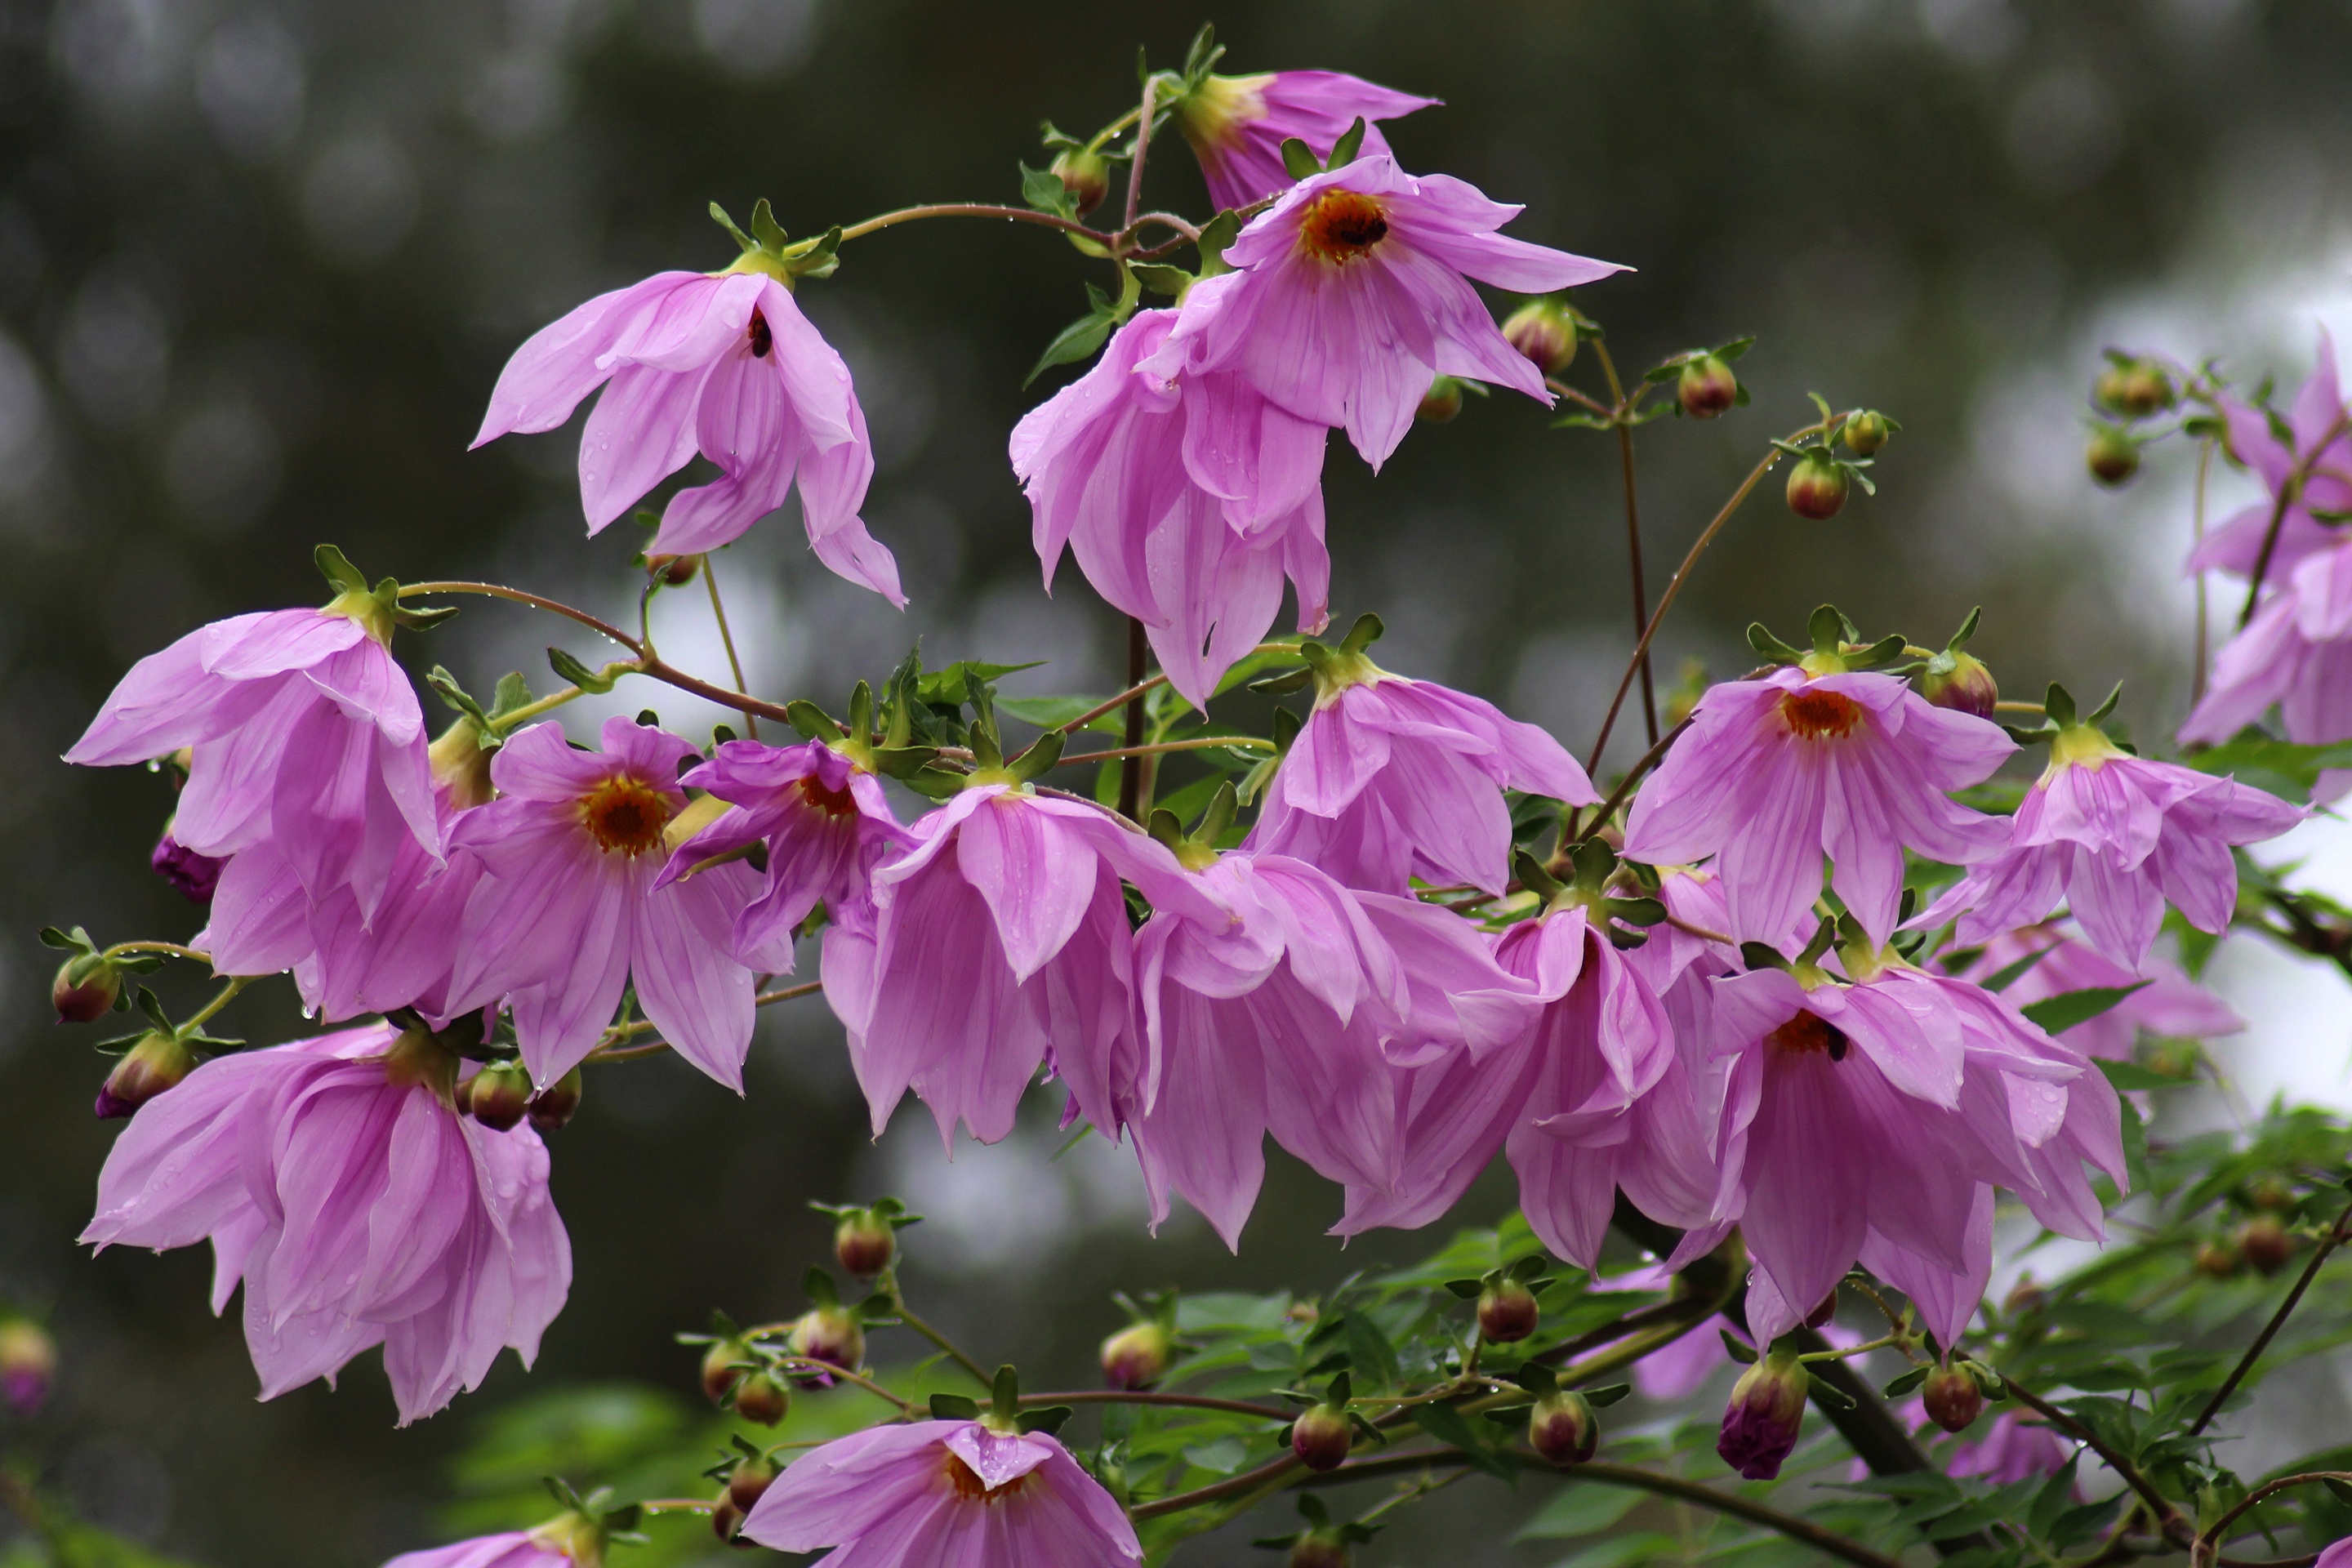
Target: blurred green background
<point>261,262</point>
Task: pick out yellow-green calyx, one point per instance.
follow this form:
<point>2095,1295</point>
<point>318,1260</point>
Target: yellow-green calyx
<point>368,608</point>
<point>771,253</point>
<point>2080,745</point>
<point>1197,851</point>
<point>1338,669</point>
<point>1213,112</point>
<point>461,764</point>
<point>419,1059</point>
<point>575,1534</point>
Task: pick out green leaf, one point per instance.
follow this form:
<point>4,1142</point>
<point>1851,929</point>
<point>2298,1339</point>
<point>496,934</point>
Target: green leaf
<point>1603,1398</point>
<point>338,570</point>
<point>2130,1074</point>
<point>2057,1494</point>
<point>1043,189</point>
<point>1053,713</point>
<point>1162,279</point>
<point>1586,1509</point>
<point>1907,1382</point>
<point>1445,1423</point>
<point>1370,1353</point>
<point>1298,160</point>
<point>2279,766</point>
<point>571,671</point>
<point>2068,1008</point>
<point>1643,1547</point>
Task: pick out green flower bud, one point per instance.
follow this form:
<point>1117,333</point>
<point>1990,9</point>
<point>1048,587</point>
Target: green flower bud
<point>1563,1429</point>
<point>2113,456</point>
<point>86,986</point>
<point>1322,1437</point>
<point>1866,433</point>
<point>158,1062</point>
<point>1817,485</point>
<point>1507,1311</point>
<point>1085,175</point>
<point>1544,330</point>
<point>1441,403</point>
<point>1136,1356</point>
<point>1706,387</point>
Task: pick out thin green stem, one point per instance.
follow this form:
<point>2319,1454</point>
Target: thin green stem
<point>2209,1541</point>
<point>955,1352</point>
<point>221,998</point>
<point>537,602</point>
<point>2336,1235</point>
<point>1138,690</point>
<point>973,209</point>
<point>2197,674</point>
<point>1161,748</point>
<point>810,1364</point>
<point>1658,748</point>
<point>2166,1518</point>
<point>1633,526</point>
<point>2289,488</point>
<point>610,1050</point>
<point>727,638</point>
<point>171,948</point>
<point>511,721</point>
<point>1143,130</point>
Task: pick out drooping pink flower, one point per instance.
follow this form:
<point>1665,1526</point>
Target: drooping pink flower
<point>1765,1417</point>
<point>193,876</point>
<point>2319,442</point>
<point>2336,1556</point>
<point>1392,778</point>
<point>2296,654</point>
<point>1001,938</point>
<point>1237,125</point>
<point>2115,835</point>
<point>823,822</point>
<point>508,1549</point>
<point>567,910</point>
<point>1187,499</point>
<point>1351,294</point>
<point>303,732</point>
<point>724,364</point>
<point>334,1181</point>
<point>2015,1447</point>
<point>1777,772</point>
<point>2168,1002</point>
<point>955,1494</point>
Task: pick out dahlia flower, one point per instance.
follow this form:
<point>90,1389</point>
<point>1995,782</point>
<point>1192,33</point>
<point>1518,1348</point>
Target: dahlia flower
<point>724,364</point>
<point>1777,772</point>
<point>1187,499</point>
<point>2168,1002</point>
<point>2320,442</point>
<point>2296,653</point>
<point>1352,294</point>
<point>956,1494</point>
<point>357,1207</point>
<point>568,910</point>
<point>1237,125</point>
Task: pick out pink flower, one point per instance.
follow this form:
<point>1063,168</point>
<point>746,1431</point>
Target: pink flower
<point>358,1208</point>
<point>568,910</point>
<point>1352,294</point>
<point>1392,778</point>
<point>2115,835</point>
<point>1777,772</point>
<point>193,876</point>
<point>954,1494</point>
<point>722,363</point>
<point>1237,125</point>
<point>2318,436</point>
<point>508,1549</point>
<point>2014,1448</point>
<point>823,822</point>
<point>2296,653</point>
<point>304,733</point>
<point>2336,1556</point>
<point>1187,499</point>
<point>2168,1003</point>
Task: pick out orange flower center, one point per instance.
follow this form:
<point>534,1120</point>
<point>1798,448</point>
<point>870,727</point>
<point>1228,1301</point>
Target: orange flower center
<point>1819,715</point>
<point>969,1486</point>
<point>1809,1032</point>
<point>831,801</point>
<point>1342,225</point>
<point>625,813</point>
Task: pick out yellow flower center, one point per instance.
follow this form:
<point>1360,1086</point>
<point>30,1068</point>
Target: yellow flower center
<point>970,1486</point>
<point>1819,715</point>
<point>1341,226</point>
<point>625,813</point>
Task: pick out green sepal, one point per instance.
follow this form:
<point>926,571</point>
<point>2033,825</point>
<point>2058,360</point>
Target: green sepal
<point>1215,235</point>
<point>2058,703</point>
<point>810,721</point>
<point>1298,160</point>
<point>1828,630</point>
<point>1040,758</point>
<point>1908,1381</point>
<point>1048,1419</point>
<point>954,1407</point>
<point>339,571</point>
<point>1740,1349</point>
<point>571,671</point>
<point>1345,150</point>
<point>1004,1395</point>
<point>1768,646</point>
<point>820,1288</point>
<point>1601,1398</point>
<point>1161,278</point>
<point>1828,1396</point>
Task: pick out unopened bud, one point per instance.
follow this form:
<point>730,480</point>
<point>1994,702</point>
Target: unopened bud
<point>1706,387</point>
<point>1544,330</point>
<point>864,1243</point>
<point>86,986</point>
<point>2136,390</point>
<point>830,1334</point>
<point>1506,1311</point>
<point>499,1096</point>
<point>1952,1397</point>
<point>1966,686</point>
<point>1561,1429</point>
<point>2113,456</point>
<point>725,1518</point>
<point>761,1398</point>
<point>2265,1244</point>
<point>1085,175</point>
<point>1318,1549</point>
<point>158,1062</point>
<point>1817,485</point>
<point>2272,1195</point>
<point>1136,1356</point>
<point>2217,1261</point>
<point>193,876</point>
<point>677,571</point>
<point>723,1366</point>
<point>1322,1437</point>
<point>1866,433</point>
<point>1766,1413</point>
<point>748,1480</point>
<point>555,1105</point>
<point>1441,403</point>
<point>28,1365</point>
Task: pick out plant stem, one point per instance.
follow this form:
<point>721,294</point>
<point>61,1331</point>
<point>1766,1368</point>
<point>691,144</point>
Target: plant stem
<point>171,948</point>
<point>1658,748</point>
<point>1633,527</point>
<point>2336,1235</point>
<point>2197,673</point>
<point>1139,646</point>
<point>1143,129</point>
<point>1152,1396</point>
<point>2289,488</point>
<point>553,607</point>
<point>1266,1474</point>
<point>509,722</point>
<point>955,1352</point>
<point>972,209</point>
<point>221,999</point>
<point>811,1364</point>
<point>2166,1518</point>
<point>1161,748</point>
<point>727,638</point>
<point>611,1052</point>
<point>2209,1543</point>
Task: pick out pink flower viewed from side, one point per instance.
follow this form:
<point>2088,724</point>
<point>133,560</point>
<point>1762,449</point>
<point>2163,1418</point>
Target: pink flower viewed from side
<point>334,1181</point>
<point>2320,448</point>
<point>1777,772</point>
<point>1188,499</point>
<point>2014,1446</point>
<point>1351,294</point>
<point>1237,125</point>
<point>508,1549</point>
<point>2115,835</point>
<point>1392,778</point>
<point>955,1494</point>
<point>303,733</point>
<point>2168,1003</point>
<point>2295,653</point>
<point>722,365</point>
<point>568,910</point>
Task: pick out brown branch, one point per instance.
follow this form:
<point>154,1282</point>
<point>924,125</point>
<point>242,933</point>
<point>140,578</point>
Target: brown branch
<point>2334,1238</point>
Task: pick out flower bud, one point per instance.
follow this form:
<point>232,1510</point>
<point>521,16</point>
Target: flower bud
<point>760,1397</point>
<point>158,1062</point>
<point>1866,433</point>
<point>1441,403</point>
<point>1136,1356</point>
<point>748,1479</point>
<point>1817,485</point>
<point>1561,1429</point>
<point>2112,457</point>
<point>1766,1414</point>
<point>86,986</point>
<point>723,1365</point>
<point>555,1105</point>
<point>1506,1311</point>
<point>1085,175</point>
<point>1952,1397</point>
<point>2216,1261</point>
<point>2272,1193</point>
<point>499,1096</point>
<point>1706,387</point>
<point>28,1363</point>
<point>864,1243</point>
<point>1967,686</point>
<point>677,571</point>
<point>725,1518</point>
<point>829,1334</point>
<point>193,876</point>
<point>2136,390</point>
<point>1322,1437</point>
<point>2265,1244</point>
<point>1318,1549</point>
<point>1544,330</point>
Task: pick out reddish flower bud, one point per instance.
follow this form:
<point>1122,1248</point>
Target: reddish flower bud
<point>1136,1356</point>
<point>1506,1311</point>
<point>193,876</point>
<point>84,989</point>
<point>1952,1397</point>
<point>2113,456</point>
<point>761,1398</point>
<point>1866,433</point>
<point>2272,1193</point>
<point>1817,485</point>
<point>499,1096</point>
<point>28,1363</point>
<point>2265,1244</point>
<point>748,1479</point>
<point>677,571</point>
<point>723,1366</point>
<point>2218,1261</point>
<point>1561,1429</point>
<point>555,1105</point>
<point>1966,686</point>
<point>1322,1437</point>
<point>2136,390</point>
<point>1545,332</point>
<point>1085,175</point>
<point>864,1243</point>
<point>1706,387</point>
<point>1318,1549</point>
<point>1766,1413</point>
<point>1441,403</point>
<point>725,1518</point>
<point>829,1334</point>
<point>156,1063</point>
